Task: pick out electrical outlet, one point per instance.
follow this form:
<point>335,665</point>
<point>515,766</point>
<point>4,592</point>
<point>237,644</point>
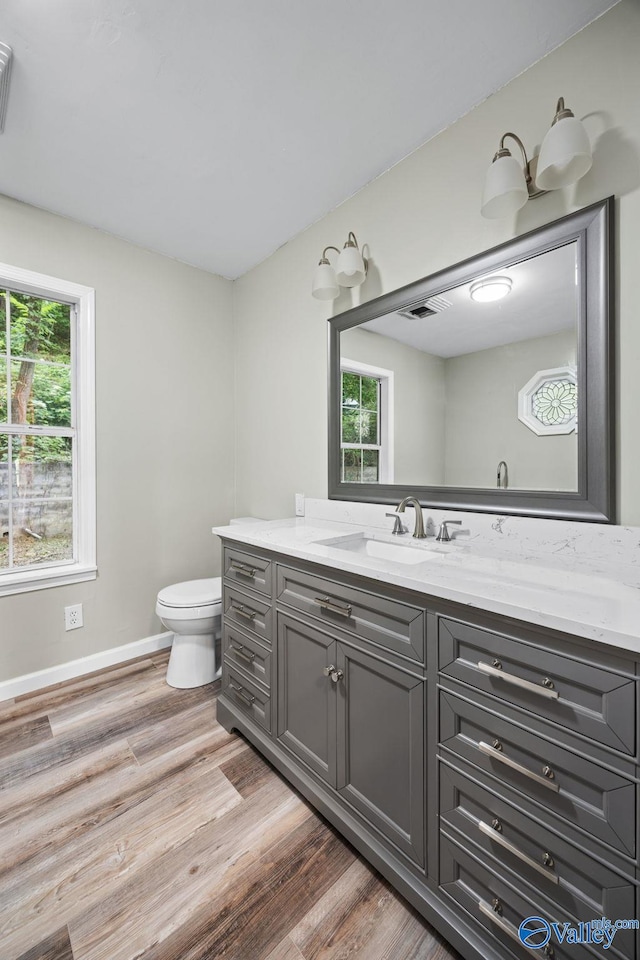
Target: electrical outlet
<point>299,504</point>
<point>73,617</point>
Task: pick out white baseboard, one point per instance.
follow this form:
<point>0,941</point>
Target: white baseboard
<point>78,668</point>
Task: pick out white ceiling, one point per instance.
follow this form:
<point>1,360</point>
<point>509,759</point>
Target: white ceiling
<point>543,301</point>
<point>215,130</point>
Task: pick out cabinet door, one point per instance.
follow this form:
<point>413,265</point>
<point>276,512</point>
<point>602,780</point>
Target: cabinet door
<point>381,747</point>
<point>306,697</point>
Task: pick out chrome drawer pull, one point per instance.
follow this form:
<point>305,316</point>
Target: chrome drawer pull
<point>243,568</point>
<point>243,653</point>
<point>329,604</point>
<point>241,692</point>
<point>240,610</point>
<point>493,670</point>
<point>546,778</point>
<point>494,831</point>
<point>493,912</point>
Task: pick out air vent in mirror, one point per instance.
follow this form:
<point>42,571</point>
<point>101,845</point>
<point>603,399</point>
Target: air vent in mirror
<point>428,308</point>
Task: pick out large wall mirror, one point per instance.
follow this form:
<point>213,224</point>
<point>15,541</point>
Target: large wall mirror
<point>487,386</point>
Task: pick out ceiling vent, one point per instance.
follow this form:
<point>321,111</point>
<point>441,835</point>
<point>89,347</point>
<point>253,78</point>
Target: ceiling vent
<point>428,308</point>
<point>6,55</point>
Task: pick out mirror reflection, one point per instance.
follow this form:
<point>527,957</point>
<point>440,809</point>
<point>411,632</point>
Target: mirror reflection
<point>473,388</point>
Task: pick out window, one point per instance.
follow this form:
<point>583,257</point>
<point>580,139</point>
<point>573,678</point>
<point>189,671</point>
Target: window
<point>366,423</point>
<point>47,432</point>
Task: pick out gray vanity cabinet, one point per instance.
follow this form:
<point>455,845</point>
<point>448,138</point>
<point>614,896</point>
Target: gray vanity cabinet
<point>381,746</point>
<point>357,721</point>
<point>306,723</point>
<point>489,769</point>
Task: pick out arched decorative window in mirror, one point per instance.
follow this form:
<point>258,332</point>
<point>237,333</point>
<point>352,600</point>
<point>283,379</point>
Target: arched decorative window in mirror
<point>496,359</point>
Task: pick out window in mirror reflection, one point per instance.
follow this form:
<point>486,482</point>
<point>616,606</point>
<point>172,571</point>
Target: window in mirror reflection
<point>366,446</point>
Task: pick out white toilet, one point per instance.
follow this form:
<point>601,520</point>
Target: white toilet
<point>192,610</point>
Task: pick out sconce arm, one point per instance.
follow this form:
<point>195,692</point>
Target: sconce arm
<point>324,253</point>
<point>514,136</point>
<point>529,165</point>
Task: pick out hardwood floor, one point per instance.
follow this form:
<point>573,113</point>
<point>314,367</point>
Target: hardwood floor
<point>132,825</point>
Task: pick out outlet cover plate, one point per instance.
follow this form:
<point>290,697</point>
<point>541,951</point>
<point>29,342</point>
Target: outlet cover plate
<point>73,617</point>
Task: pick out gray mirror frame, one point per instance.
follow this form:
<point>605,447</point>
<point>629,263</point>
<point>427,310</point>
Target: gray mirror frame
<point>593,230</point>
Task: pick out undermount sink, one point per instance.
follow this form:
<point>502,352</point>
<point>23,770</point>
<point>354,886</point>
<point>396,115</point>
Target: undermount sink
<point>382,550</point>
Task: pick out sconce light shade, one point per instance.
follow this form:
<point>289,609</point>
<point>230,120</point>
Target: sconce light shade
<point>350,268</point>
<point>505,189</point>
<point>565,155</point>
<point>325,286</point>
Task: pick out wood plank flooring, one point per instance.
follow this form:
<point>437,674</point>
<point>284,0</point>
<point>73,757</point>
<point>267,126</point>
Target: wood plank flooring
<point>132,825</point>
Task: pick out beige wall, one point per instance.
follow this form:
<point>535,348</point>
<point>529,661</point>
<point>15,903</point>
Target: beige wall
<point>164,435</point>
<point>418,386</point>
<point>482,425</point>
<point>419,217</point>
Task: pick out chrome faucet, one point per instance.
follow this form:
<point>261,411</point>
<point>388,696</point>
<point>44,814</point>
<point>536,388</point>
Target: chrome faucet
<point>418,530</point>
<point>443,535</point>
<point>398,526</point>
<point>502,477</point>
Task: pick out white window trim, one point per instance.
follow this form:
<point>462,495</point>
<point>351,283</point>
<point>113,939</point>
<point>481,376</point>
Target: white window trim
<point>84,472</point>
<point>387,420</point>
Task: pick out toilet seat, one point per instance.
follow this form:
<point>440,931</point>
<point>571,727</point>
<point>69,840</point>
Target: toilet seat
<point>191,593</point>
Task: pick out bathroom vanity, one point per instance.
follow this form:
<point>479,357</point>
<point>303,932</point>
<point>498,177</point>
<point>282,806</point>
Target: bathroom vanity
<point>485,762</point>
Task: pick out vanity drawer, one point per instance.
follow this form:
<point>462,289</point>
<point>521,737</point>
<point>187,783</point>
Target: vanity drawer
<point>388,623</point>
<point>248,696</point>
<point>247,612</point>
<point>556,778</point>
<point>243,652</point>
<point>248,570</point>
<point>590,699</point>
<point>497,906</point>
<point>577,884</point>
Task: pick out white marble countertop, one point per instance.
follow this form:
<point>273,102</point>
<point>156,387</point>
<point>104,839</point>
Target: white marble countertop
<point>560,590</point>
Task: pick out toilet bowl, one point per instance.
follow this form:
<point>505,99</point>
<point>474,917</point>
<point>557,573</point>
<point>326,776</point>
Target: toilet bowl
<point>192,611</point>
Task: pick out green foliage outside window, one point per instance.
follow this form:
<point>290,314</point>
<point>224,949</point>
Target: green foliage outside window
<point>39,392</point>
<point>36,481</point>
<point>360,427</point>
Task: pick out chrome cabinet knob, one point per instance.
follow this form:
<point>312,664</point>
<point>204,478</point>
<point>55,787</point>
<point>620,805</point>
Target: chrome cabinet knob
<point>333,672</point>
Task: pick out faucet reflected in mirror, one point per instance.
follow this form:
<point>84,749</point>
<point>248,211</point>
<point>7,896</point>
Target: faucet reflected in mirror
<point>502,477</point>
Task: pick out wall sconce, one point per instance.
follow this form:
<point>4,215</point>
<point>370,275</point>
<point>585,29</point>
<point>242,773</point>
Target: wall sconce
<point>565,157</point>
<point>350,271</point>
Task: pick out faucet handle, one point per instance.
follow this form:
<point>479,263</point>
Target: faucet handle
<point>398,528</point>
<point>443,535</point>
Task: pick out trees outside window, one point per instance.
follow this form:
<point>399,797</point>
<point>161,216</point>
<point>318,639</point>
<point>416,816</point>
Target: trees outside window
<point>47,460</point>
<point>366,424</point>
